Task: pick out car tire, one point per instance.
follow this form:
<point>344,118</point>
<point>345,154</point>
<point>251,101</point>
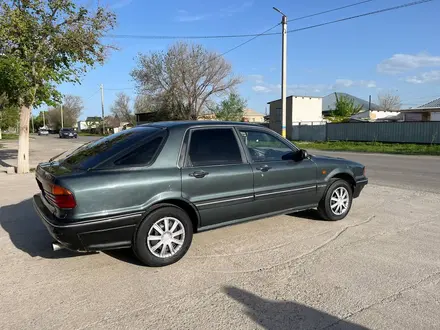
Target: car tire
<point>146,238</point>
<point>337,200</point>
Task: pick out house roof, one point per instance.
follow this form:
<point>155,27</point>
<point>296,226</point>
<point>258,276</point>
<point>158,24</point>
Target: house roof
<point>93,119</point>
<point>329,101</point>
<point>303,96</point>
<point>251,112</point>
<point>421,109</point>
<point>433,104</point>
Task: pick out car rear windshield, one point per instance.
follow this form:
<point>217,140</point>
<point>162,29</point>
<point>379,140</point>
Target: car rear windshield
<point>98,151</point>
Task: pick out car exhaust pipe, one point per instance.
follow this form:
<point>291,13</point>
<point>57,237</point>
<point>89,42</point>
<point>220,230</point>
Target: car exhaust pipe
<point>57,246</point>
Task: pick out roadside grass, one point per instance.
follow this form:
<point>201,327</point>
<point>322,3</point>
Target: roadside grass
<point>9,136</point>
<point>373,147</point>
<point>88,134</point>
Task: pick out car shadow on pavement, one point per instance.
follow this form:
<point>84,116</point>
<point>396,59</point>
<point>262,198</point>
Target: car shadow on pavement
<point>28,233</point>
<point>285,314</point>
<point>126,255</point>
<point>309,215</point>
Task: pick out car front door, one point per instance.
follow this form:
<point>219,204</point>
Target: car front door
<point>216,176</point>
<point>282,179</point>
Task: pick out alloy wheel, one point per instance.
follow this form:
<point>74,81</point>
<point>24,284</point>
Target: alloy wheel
<point>166,237</point>
<point>339,201</point>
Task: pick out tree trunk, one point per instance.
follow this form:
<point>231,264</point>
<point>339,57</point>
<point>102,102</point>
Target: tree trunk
<point>23,141</point>
<point>0,133</point>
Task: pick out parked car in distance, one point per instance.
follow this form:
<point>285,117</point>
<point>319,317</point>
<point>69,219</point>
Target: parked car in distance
<point>68,133</point>
<point>43,131</point>
<point>151,187</point>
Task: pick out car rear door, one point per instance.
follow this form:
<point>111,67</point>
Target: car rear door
<point>216,176</point>
<point>281,182</point>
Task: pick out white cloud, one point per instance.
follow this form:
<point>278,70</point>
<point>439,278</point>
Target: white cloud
<point>185,16</point>
<point>234,9</point>
<point>257,78</point>
<point>344,82</point>
<point>425,77</point>
<point>261,89</point>
<point>120,4</point>
<point>399,63</point>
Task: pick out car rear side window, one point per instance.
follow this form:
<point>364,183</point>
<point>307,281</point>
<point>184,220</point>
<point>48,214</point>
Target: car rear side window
<point>142,155</point>
<point>217,146</point>
<point>98,151</point>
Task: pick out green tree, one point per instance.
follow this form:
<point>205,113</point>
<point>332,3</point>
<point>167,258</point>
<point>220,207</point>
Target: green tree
<point>72,108</point>
<point>44,43</point>
<point>38,121</point>
<point>184,78</point>
<point>121,108</point>
<point>9,115</point>
<point>230,109</point>
<point>344,108</point>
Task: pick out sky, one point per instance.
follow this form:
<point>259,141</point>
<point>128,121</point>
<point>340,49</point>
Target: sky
<point>396,51</point>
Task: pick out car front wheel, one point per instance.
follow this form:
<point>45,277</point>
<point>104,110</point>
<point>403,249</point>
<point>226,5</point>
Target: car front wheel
<point>336,203</point>
<point>163,237</point>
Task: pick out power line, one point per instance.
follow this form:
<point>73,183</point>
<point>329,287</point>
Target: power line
<point>410,4</point>
<point>247,41</point>
<point>119,89</point>
<point>329,11</point>
<point>93,94</point>
<point>361,15</point>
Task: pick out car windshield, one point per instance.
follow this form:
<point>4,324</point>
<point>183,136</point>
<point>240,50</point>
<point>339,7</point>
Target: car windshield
<point>95,152</point>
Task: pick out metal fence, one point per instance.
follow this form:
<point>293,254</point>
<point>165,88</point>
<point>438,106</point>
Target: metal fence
<point>400,132</point>
<point>309,131</point>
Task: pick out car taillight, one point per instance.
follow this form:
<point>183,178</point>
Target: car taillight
<point>61,197</point>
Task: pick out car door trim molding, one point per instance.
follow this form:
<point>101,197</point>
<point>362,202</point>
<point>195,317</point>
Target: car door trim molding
<point>224,201</point>
<point>285,191</point>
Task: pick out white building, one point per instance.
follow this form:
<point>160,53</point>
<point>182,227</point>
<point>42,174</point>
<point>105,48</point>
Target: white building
<point>302,110</point>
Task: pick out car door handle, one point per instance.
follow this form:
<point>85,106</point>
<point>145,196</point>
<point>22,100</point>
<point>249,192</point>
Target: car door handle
<point>264,168</point>
<point>199,174</point>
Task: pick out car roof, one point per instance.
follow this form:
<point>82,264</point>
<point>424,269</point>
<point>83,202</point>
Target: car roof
<point>198,123</point>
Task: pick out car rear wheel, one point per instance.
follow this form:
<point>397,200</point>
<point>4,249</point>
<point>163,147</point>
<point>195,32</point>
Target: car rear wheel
<point>163,237</point>
<point>336,203</point>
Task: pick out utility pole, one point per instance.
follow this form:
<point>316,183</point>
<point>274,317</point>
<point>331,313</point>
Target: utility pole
<point>62,116</point>
<point>44,120</point>
<point>32,119</point>
<point>369,103</point>
<point>283,72</point>
<point>102,108</point>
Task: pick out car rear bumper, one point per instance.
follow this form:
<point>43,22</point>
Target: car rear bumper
<point>359,186</point>
<point>93,235</point>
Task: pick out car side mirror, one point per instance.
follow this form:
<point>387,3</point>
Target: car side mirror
<point>304,154</point>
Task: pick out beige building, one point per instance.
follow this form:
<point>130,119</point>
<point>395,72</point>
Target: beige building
<point>253,116</point>
<point>299,109</point>
<point>249,115</point>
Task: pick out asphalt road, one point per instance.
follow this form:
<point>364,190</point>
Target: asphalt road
<point>410,172</point>
<point>420,172</point>
<point>377,269</point>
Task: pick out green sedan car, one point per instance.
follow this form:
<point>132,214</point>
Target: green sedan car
<point>151,187</point>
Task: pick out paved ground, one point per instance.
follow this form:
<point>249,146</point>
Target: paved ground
<point>420,172</point>
<point>379,268</point>
<point>41,148</point>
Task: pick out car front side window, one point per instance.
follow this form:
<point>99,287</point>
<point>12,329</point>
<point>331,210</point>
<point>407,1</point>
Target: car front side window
<point>264,147</point>
<point>214,146</point>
